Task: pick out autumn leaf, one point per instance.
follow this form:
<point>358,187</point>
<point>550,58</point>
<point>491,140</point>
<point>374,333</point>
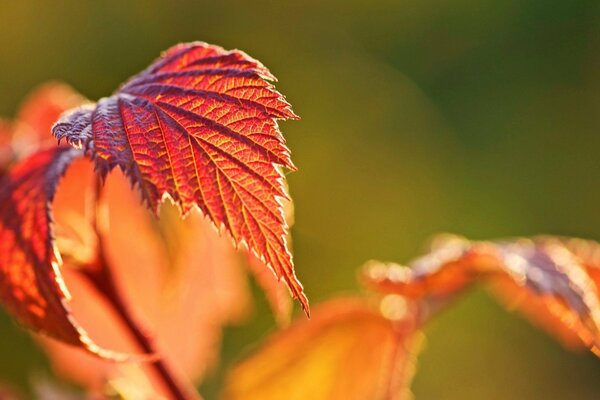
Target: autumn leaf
<point>170,256</point>
<point>185,263</point>
<point>440,272</point>
<point>32,287</point>
<point>193,282</point>
<point>350,350</point>
<point>542,277</point>
<point>199,125</point>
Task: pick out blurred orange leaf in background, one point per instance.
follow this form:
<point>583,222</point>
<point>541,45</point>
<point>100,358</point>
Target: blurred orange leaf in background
<point>178,276</point>
<point>350,349</point>
<point>541,277</point>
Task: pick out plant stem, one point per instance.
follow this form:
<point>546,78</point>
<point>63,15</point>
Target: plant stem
<point>101,276</point>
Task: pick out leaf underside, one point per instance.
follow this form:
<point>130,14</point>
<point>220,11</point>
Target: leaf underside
<point>199,126</point>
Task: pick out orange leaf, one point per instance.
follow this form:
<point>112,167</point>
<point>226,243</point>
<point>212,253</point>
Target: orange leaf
<point>542,277</point>
<point>348,350</point>
<point>192,282</point>
<point>199,125</point>
<point>450,266</point>
<point>32,288</point>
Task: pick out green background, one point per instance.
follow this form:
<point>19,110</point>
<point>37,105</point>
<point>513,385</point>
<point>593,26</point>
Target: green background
<point>418,116</point>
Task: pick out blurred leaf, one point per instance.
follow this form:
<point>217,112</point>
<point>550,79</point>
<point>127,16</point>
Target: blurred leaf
<point>175,257</point>
<point>199,125</point>
<point>544,278</point>
<point>349,350</point>
<point>32,287</point>
<point>192,282</point>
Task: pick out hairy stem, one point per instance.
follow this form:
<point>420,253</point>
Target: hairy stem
<point>102,277</point>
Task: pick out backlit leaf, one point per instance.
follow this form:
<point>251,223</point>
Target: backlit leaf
<point>200,126</point>
<point>349,350</point>
<point>545,278</point>
<point>193,283</point>
<point>31,285</point>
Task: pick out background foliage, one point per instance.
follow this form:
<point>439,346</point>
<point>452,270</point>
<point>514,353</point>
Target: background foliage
<point>475,117</point>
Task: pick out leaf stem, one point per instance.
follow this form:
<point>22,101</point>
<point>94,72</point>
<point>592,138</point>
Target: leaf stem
<point>102,277</point>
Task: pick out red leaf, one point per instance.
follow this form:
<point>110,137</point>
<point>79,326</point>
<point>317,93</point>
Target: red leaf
<point>199,126</point>
<point>31,286</point>
<point>349,351</point>
<point>544,278</point>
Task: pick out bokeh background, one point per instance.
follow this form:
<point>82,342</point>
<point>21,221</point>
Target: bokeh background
<point>418,117</point>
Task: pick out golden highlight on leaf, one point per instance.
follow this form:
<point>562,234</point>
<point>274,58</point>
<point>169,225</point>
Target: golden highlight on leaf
<point>348,350</point>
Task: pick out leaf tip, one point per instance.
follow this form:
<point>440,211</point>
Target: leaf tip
<point>305,305</point>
